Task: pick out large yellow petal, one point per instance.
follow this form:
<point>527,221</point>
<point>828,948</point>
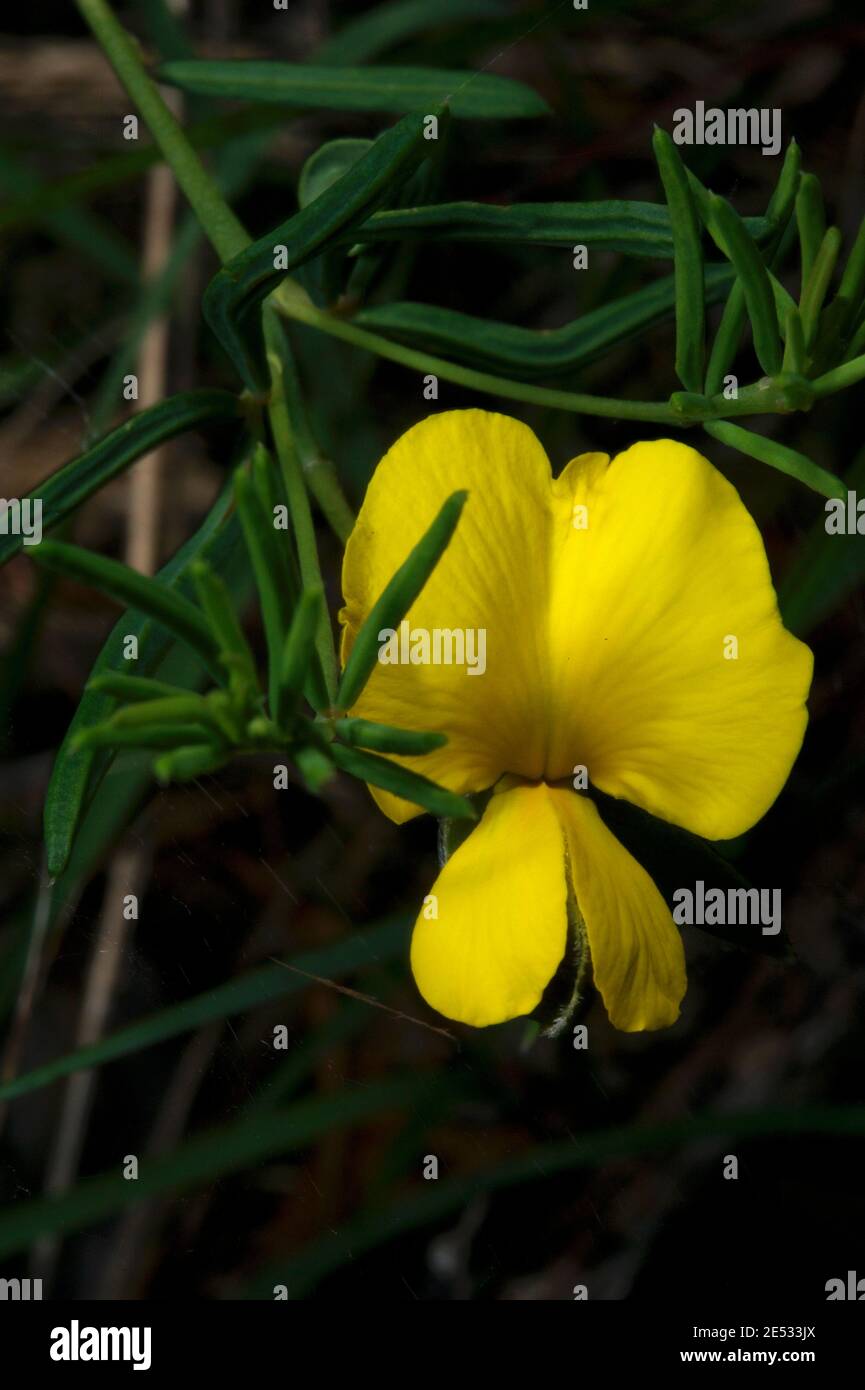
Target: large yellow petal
<point>493,576</point>
<point>663,578</point>
<point>638,961</point>
<point>501,928</point>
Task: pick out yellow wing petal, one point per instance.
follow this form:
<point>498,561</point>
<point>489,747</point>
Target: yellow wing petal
<point>501,927</point>
<point>638,961</point>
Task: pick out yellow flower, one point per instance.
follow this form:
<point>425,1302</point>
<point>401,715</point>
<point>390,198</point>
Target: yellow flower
<point>631,628</point>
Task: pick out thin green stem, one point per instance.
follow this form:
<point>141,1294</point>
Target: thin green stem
<point>296,492</point>
<point>294,304</point>
<point>219,222</point>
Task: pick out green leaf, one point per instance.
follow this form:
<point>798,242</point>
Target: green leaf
<point>297,656</point>
<point>388,25</point>
<point>398,780</point>
<point>203,1159</point>
<point>434,1202</point>
<point>731,236</point>
<point>778,456</point>
<point>381,738</point>
<point>187,764</point>
<point>795,354</point>
<point>328,164</point>
<point>636,229</point>
<point>827,567</point>
<point>732,323</point>
<point>688,259</point>
<point>811,222</point>
<point>400,593</point>
<point>76,777</point>
<point>64,491</point>
<point>852,287</point>
<point>817,284</point>
<point>131,689</point>
<point>75,227</point>
<point>128,587</point>
<point>527,353</point>
<point>360,948</point>
<point>246,280</point>
<point>783,197</point>
<point>223,623</point>
<point>479,95</point>
<point>111,735</point>
<point>276,584</point>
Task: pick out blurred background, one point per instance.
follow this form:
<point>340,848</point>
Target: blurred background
<point>304,1167</point>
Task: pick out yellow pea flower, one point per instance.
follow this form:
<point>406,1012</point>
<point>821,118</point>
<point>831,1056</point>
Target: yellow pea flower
<point>631,629</point>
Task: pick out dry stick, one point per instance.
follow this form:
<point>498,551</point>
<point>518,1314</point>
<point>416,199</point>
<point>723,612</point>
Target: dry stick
<point>117,1278</point>
<point>127,868</point>
<point>142,532</point>
<point>124,874</point>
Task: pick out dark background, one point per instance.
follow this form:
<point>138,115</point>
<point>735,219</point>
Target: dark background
<point>233,873</point>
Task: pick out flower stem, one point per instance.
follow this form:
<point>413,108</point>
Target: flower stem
<point>292,302</point>
<point>221,226</point>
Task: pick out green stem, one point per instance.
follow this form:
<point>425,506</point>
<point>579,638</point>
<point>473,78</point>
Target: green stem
<point>295,490</point>
<point>219,222</point>
<point>223,229</point>
<point>293,303</point>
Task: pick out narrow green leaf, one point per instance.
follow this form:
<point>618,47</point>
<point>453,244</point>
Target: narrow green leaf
<point>388,25</point>
<point>224,624</point>
<point>297,656</point>
<point>778,456</point>
<point>434,1202</point>
<point>817,284</point>
<point>131,688</point>
<point>315,768</point>
<point>730,234</point>
<point>72,799</point>
<point>795,355</point>
<point>134,590</point>
<point>276,585</point>
<point>811,222</point>
<point>247,279</point>
<point>479,95</point>
<point>187,764</point>
<point>381,738</point>
<point>400,781</point>
<point>72,226</point>
<point>170,709</point>
<point>527,353</point>
<point>783,198</point>
<point>327,164</point>
<point>778,212</point>
<point>852,287</point>
<point>202,1160</point>
<point>111,735</point>
<point>827,567</point>
<point>634,228</point>
<point>399,594</point>
<point>688,261</point>
<point>64,491</point>
<point>368,947</point>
